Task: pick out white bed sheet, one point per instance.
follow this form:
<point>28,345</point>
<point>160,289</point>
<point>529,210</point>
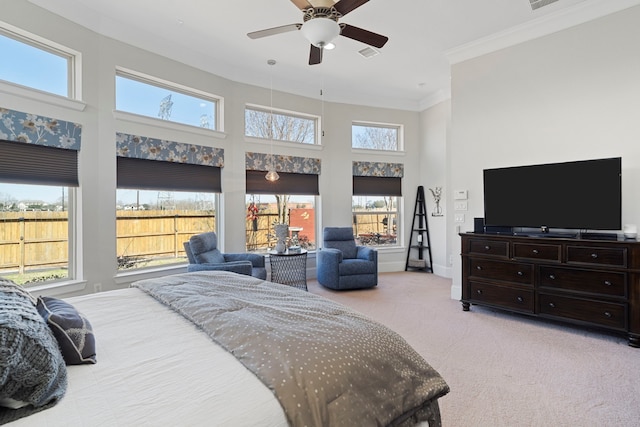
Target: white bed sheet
<point>155,369</point>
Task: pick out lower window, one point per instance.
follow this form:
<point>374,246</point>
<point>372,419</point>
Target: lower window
<point>152,226</point>
<point>34,233</point>
<point>375,220</point>
<point>263,211</point>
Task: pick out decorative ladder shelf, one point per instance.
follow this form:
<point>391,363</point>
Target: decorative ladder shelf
<point>421,234</point>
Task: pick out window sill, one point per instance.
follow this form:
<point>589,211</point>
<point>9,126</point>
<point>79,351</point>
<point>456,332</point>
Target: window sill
<point>159,123</point>
<point>58,288</point>
<point>40,96</point>
<point>385,153</point>
<point>128,277</point>
<point>290,144</point>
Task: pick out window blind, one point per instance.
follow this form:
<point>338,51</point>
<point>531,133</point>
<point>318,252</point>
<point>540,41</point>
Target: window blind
<point>289,183</point>
<point>146,174</point>
<point>377,186</point>
<point>23,163</point>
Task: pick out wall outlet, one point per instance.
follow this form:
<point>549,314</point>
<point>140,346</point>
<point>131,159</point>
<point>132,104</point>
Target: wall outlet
<point>460,206</point>
<point>458,217</point>
<point>97,287</point>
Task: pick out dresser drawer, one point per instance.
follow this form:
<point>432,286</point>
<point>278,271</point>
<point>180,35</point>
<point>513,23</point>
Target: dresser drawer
<point>597,255</point>
<point>610,315</point>
<point>521,273</point>
<point>537,251</point>
<point>504,297</point>
<point>596,282</point>
<point>488,247</point>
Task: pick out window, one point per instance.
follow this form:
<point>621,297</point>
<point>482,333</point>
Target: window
<point>35,64</point>
<point>36,211</point>
<point>34,233</point>
<point>159,205</point>
<point>151,97</point>
<point>375,220</point>
<point>375,136</point>
<point>265,210</point>
<point>152,226</point>
<point>285,126</point>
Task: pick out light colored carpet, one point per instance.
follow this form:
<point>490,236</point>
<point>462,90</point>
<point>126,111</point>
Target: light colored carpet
<point>505,369</point>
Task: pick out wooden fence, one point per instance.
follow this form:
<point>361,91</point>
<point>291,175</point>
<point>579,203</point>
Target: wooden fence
<point>39,240</point>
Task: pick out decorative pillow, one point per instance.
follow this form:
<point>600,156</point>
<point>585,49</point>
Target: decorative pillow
<point>71,329</point>
<point>33,375</point>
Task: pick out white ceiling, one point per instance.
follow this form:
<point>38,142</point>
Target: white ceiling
<point>411,72</point>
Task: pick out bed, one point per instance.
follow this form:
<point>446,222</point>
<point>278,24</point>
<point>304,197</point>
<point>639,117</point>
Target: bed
<point>218,348</point>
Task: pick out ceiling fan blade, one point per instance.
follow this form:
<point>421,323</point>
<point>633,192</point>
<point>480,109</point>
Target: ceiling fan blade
<point>364,36</point>
<point>315,55</point>
<point>302,4</point>
<point>274,30</point>
<point>346,6</point>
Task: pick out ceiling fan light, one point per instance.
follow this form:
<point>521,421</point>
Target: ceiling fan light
<point>329,46</point>
<point>320,31</point>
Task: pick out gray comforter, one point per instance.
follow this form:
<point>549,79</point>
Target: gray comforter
<point>326,364</point>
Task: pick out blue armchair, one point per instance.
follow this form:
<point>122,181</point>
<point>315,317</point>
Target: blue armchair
<point>202,251</point>
<point>341,264</point>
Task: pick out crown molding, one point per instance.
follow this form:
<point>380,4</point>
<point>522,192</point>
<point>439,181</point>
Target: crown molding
<point>586,11</point>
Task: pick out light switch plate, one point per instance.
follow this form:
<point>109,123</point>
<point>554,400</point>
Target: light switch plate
<point>458,217</point>
<point>460,194</point>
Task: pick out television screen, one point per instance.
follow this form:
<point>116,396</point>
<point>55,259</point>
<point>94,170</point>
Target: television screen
<point>572,195</point>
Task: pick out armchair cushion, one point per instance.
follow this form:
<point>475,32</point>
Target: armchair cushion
<point>340,238</point>
<point>240,267</point>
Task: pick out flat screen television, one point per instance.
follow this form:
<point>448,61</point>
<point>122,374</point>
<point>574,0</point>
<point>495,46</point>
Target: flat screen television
<point>582,195</point>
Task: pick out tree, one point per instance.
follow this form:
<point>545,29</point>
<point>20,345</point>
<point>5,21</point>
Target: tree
<point>282,203</point>
<point>285,128</point>
<point>376,138</point>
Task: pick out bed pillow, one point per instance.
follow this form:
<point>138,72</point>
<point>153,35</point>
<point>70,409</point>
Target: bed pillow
<point>71,329</point>
<point>33,375</point>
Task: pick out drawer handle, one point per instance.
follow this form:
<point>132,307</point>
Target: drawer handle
<point>608,314</point>
<point>552,305</point>
<point>535,251</point>
<point>552,277</point>
<point>607,283</point>
<point>487,247</point>
<point>520,299</point>
<point>478,267</point>
<point>594,256</point>
<point>520,273</point>
<point>479,291</point>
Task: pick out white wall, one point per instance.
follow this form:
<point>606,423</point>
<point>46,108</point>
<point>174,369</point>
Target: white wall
<point>101,55</point>
<point>571,95</point>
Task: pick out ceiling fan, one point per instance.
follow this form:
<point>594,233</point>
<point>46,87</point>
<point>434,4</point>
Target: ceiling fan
<point>321,26</point>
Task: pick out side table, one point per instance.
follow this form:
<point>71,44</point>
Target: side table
<point>289,268</point>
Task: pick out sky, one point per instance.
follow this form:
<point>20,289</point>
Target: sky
<point>131,96</point>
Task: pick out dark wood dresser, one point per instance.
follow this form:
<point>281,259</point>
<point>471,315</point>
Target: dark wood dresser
<point>592,283</point>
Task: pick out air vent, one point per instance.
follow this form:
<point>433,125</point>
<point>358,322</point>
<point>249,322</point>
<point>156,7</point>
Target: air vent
<point>536,4</point>
<point>368,52</point>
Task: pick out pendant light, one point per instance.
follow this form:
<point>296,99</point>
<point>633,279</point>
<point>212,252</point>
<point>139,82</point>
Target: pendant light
<point>271,175</point>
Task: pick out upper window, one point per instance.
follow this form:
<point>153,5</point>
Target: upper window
<point>263,122</point>
<point>151,97</point>
<point>35,64</point>
<point>375,136</point>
